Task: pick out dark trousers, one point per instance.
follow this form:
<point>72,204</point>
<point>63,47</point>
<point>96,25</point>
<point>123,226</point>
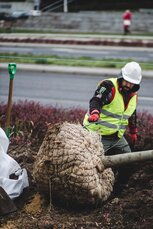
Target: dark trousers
<point>114,146</point>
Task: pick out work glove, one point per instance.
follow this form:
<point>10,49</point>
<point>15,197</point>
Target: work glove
<point>133,136</point>
<point>94,116</point>
<point>133,139</point>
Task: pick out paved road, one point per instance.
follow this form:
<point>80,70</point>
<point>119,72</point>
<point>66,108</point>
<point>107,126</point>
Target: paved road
<point>97,52</point>
<point>66,90</point>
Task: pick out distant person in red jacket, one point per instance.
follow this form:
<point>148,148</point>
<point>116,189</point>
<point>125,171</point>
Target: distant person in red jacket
<point>127,17</point>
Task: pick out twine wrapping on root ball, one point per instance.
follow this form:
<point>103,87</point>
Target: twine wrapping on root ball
<point>70,159</point>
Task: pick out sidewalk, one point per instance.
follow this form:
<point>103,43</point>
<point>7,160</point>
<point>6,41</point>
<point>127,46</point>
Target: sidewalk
<point>73,70</point>
<point>76,36</point>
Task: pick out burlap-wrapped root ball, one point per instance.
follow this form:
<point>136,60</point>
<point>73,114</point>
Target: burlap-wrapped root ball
<point>69,166</point>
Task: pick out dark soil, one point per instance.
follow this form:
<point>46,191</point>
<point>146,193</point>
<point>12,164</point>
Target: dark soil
<point>130,206</point>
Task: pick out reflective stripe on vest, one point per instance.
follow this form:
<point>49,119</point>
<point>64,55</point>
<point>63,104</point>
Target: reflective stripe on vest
<point>110,125</point>
<point>113,117</point>
<point>108,113</point>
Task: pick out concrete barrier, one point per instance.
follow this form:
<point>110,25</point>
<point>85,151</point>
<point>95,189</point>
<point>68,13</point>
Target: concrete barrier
<point>103,21</point>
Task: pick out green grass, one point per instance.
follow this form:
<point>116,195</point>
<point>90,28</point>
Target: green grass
<point>59,60</point>
<point>40,31</point>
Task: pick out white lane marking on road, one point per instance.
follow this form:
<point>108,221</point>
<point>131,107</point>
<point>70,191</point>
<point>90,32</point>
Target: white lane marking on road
<point>78,50</point>
<point>145,98</point>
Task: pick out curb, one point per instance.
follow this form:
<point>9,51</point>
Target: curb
<point>73,70</point>
<point>98,42</point>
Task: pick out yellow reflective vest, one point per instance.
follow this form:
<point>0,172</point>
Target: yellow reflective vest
<point>114,116</point>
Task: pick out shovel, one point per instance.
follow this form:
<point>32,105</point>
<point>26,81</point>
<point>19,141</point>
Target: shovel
<point>12,71</point>
<point>6,204</point>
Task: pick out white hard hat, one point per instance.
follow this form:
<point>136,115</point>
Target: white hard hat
<point>131,72</point>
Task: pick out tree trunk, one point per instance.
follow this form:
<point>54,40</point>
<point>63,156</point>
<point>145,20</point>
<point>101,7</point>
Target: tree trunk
<point>127,158</point>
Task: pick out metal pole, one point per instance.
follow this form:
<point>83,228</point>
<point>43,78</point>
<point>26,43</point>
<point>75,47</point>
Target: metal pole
<point>65,6</point>
<point>37,4</point>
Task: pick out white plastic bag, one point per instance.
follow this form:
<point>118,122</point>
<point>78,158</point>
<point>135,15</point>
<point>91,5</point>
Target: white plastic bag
<point>8,166</point>
<point>4,141</point>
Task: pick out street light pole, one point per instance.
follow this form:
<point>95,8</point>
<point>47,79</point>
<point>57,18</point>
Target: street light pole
<point>36,4</point>
<point>65,6</point>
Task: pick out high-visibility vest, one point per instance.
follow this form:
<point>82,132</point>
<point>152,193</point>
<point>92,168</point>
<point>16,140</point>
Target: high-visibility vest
<point>114,116</point>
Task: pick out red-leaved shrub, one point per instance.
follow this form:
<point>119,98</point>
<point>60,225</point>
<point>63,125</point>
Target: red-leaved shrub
<point>145,132</point>
<point>29,121</point>
<point>145,128</point>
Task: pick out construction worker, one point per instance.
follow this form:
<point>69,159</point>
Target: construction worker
<point>113,108</point>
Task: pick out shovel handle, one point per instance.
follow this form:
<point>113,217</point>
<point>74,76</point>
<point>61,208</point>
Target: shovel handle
<point>12,71</point>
